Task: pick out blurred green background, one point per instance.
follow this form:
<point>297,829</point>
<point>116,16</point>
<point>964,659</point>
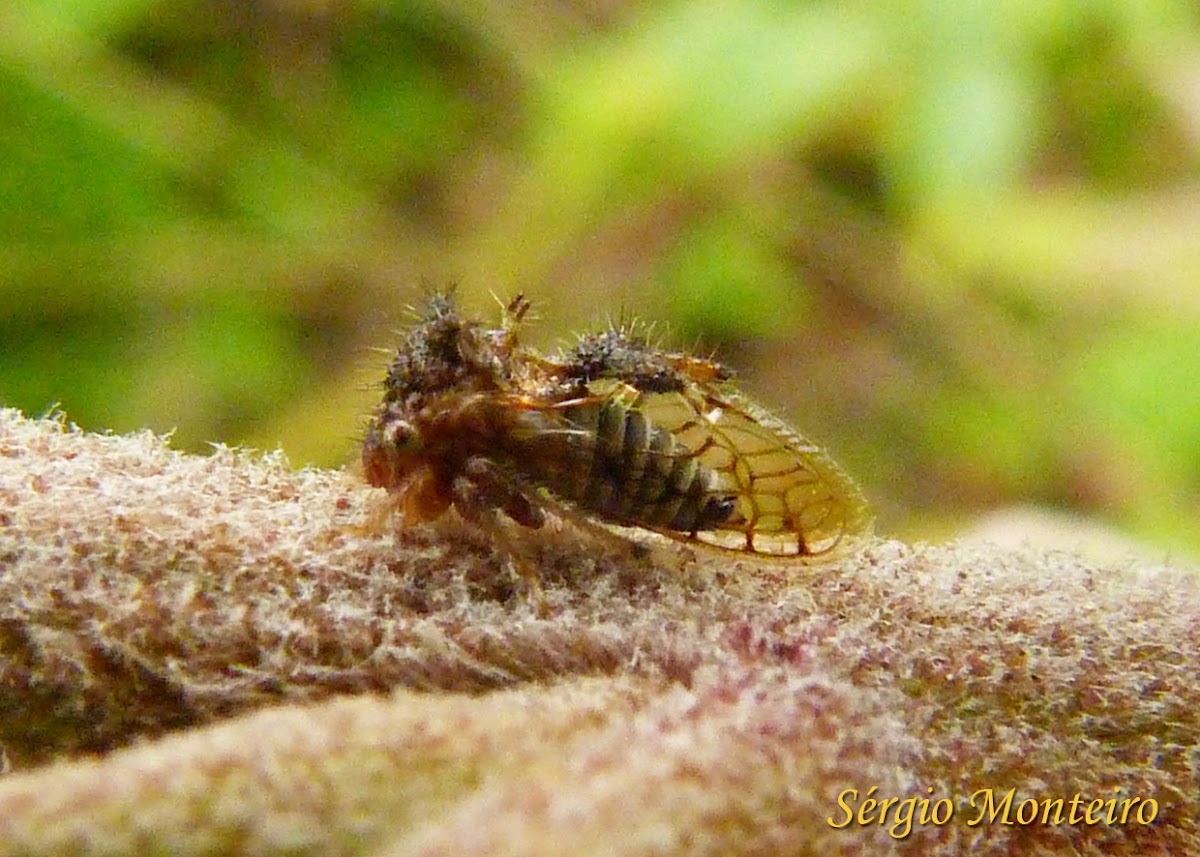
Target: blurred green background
<point>956,242</point>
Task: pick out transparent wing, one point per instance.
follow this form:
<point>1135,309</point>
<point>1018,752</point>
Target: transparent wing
<point>790,498</point>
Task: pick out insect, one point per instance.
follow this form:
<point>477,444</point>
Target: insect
<point>613,427</point>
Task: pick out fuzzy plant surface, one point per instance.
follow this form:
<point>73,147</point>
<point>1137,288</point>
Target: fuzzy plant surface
<point>223,655</point>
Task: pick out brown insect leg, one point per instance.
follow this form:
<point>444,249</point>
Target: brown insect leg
<point>614,542</point>
<point>378,517</point>
<point>480,494</point>
<point>483,485</point>
<point>426,496</point>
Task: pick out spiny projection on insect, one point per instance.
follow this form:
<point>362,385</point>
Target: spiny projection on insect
<point>613,427</point>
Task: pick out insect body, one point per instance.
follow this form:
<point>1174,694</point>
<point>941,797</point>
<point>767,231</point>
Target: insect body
<point>614,427</point>
<point>607,456</point>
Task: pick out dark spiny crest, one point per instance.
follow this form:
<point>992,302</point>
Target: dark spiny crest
<point>442,352</point>
<point>626,352</point>
<point>616,354</point>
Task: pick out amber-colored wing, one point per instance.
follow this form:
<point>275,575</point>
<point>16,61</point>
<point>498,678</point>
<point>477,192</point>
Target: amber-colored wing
<point>790,498</point>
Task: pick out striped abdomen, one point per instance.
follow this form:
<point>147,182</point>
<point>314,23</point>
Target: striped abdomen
<point>611,460</point>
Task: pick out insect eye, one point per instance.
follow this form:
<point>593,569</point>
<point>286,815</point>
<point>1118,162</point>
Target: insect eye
<point>401,437</point>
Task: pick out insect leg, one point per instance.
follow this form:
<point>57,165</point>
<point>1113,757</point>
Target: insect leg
<point>481,493</point>
<point>484,485</point>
